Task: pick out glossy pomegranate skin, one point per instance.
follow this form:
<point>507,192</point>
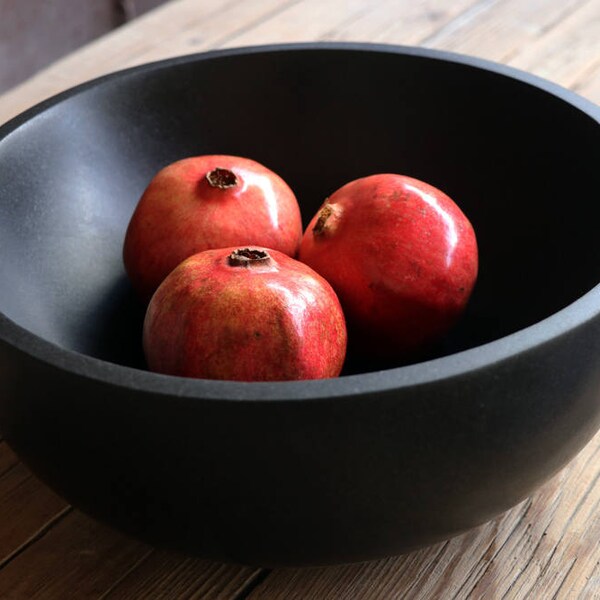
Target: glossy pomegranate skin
<point>266,320</point>
<point>181,213</point>
<point>402,258</point>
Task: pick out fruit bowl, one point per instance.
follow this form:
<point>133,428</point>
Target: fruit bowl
<point>382,460</point>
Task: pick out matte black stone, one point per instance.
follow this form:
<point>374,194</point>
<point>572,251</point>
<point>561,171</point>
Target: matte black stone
<point>385,459</point>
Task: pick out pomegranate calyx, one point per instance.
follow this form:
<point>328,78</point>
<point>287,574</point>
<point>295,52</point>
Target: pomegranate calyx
<point>321,224</point>
<point>222,178</point>
<point>248,257</point>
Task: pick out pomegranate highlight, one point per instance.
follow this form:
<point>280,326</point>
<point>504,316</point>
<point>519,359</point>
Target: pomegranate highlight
<point>207,202</point>
<point>401,256</point>
<point>246,314</point>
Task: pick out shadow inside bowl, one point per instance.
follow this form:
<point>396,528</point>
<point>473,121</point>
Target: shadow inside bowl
<point>520,162</point>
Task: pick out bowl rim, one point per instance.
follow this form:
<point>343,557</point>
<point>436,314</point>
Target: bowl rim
<point>459,364</point>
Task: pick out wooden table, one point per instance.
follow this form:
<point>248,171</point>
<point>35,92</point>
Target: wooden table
<point>547,547</point>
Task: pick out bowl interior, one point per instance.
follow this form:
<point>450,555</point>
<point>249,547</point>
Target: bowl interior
<point>521,162</point>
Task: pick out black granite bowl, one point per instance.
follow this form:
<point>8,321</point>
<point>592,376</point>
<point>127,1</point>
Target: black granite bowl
<point>381,460</point>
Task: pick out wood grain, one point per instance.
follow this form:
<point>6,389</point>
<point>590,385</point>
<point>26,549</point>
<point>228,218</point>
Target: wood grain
<point>110,52</point>
<point>547,547</point>
<point>493,29</point>
<point>162,576</point>
<point>588,84</point>
<point>7,458</point>
<point>27,508</point>
<point>564,54</point>
<point>77,557</point>
<point>406,23</point>
<point>217,29</point>
<point>502,29</point>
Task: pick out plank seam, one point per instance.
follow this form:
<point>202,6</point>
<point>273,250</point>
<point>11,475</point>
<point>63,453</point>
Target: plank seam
<point>40,533</point>
<point>254,583</point>
<point>8,469</point>
<point>564,579</point>
<point>128,572</point>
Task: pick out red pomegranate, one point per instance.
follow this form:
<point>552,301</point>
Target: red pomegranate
<point>247,314</point>
<point>401,256</point>
<point>207,202</point>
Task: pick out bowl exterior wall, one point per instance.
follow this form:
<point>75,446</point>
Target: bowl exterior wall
<point>306,482</point>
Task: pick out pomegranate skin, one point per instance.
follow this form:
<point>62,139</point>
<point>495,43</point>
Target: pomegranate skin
<point>181,213</point>
<point>401,256</point>
<point>266,319</point>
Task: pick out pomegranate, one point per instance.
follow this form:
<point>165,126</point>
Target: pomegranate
<point>247,314</point>
<point>401,256</point>
<point>207,202</point>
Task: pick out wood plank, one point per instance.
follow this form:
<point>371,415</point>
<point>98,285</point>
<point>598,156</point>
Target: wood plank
<point>562,531</point>
<point>163,24</point>
<point>7,458</point>
<point>77,557</point>
<point>93,561</point>
<point>497,30</point>
<point>404,22</point>
<point>545,546</point>
<point>588,84</point>
<point>166,575</point>
<point>111,51</point>
<point>72,552</point>
<point>568,51</point>
<point>591,588</point>
<point>27,507</point>
<point>308,20</point>
<point>185,26</point>
<point>272,21</point>
<point>227,24</point>
<point>492,30</point>
<point>461,564</point>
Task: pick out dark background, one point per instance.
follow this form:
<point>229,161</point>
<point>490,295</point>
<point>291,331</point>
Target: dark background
<point>34,33</point>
